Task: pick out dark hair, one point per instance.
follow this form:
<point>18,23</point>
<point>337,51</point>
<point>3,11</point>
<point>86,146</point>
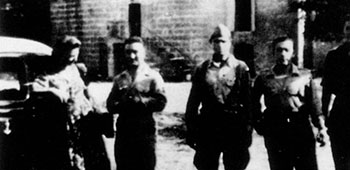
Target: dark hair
<point>63,46</point>
<point>280,39</point>
<point>67,42</point>
<point>134,39</point>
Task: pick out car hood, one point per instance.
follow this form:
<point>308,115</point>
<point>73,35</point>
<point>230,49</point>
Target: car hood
<point>11,46</point>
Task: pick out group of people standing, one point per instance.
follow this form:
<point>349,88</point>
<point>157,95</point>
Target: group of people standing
<point>282,105</point>
<point>222,110</point>
<point>278,105</point>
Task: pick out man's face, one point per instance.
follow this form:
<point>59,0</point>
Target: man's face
<point>69,55</point>
<point>222,47</point>
<point>284,51</point>
<point>135,54</point>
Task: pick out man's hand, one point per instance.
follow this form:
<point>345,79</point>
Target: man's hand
<point>321,137</point>
<point>131,95</point>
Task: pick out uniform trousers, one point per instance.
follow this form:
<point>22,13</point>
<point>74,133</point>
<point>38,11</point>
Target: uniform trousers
<point>226,136</point>
<point>291,145</point>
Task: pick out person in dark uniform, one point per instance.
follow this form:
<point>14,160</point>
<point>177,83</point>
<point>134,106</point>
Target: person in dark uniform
<point>290,99</point>
<point>221,86</point>
<point>137,92</point>
<point>335,101</point>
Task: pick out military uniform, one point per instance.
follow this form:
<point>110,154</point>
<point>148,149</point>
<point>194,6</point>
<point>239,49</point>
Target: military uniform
<point>336,81</point>
<point>222,124</point>
<point>135,98</point>
<point>290,100</point>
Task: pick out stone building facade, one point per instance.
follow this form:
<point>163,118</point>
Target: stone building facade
<point>178,27</point>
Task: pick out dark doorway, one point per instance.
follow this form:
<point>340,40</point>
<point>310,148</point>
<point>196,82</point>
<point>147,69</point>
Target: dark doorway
<point>119,57</point>
<point>245,52</point>
<point>135,19</point>
<point>244,15</point>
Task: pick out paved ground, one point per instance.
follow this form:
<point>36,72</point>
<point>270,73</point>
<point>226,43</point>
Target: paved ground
<point>172,154</point>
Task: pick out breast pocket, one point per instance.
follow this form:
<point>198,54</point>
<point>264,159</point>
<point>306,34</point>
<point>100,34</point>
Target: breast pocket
<point>228,77</point>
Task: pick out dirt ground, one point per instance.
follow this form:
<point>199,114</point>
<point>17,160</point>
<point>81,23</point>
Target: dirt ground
<point>172,153</point>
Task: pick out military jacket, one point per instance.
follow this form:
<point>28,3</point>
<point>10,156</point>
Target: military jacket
<point>289,95</point>
<point>220,89</point>
<point>336,81</point>
<point>142,93</point>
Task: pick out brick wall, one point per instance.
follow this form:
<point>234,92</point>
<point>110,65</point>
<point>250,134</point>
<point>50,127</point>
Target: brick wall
<point>185,25</point>
<point>180,26</point>
<point>98,24</point>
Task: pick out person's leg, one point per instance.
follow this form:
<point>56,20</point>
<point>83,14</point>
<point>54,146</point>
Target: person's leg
<point>236,158</point>
<point>120,154</point>
<point>303,146</point>
<point>305,158</point>
<point>146,154</point>
<point>135,154</point>
<point>340,148</point>
<point>279,155</point>
<point>207,157</point>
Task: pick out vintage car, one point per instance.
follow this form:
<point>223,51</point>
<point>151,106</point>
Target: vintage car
<point>176,70</point>
<point>20,61</point>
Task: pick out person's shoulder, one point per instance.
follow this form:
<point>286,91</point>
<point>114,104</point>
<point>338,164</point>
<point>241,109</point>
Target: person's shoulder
<point>333,53</point>
<point>151,73</point>
<point>339,51</point>
<point>205,64</point>
<point>154,72</point>
<point>265,74</point>
<point>305,73</point>
<point>242,65</point>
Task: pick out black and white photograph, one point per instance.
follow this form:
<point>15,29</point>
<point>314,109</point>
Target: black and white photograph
<point>174,85</point>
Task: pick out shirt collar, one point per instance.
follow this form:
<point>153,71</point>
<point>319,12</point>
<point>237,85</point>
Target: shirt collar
<point>289,69</point>
<point>142,69</point>
<point>231,61</point>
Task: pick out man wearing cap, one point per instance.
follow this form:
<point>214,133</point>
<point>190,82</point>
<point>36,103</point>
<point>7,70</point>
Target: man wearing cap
<point>221,86</point>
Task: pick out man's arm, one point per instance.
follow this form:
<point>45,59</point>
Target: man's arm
<point>329,82</point>
<point>245,94</point>
<point>316,113</point>
<point>154,100</point>
<point>192,106</point>
<point>257,93</point>
<point>114,97</point>
<point>327,98</point>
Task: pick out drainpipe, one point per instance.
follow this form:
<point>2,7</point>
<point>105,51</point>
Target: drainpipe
<point>301,16</point>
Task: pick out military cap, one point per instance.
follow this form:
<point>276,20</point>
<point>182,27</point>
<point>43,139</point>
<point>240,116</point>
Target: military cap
<point>221,32</point>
